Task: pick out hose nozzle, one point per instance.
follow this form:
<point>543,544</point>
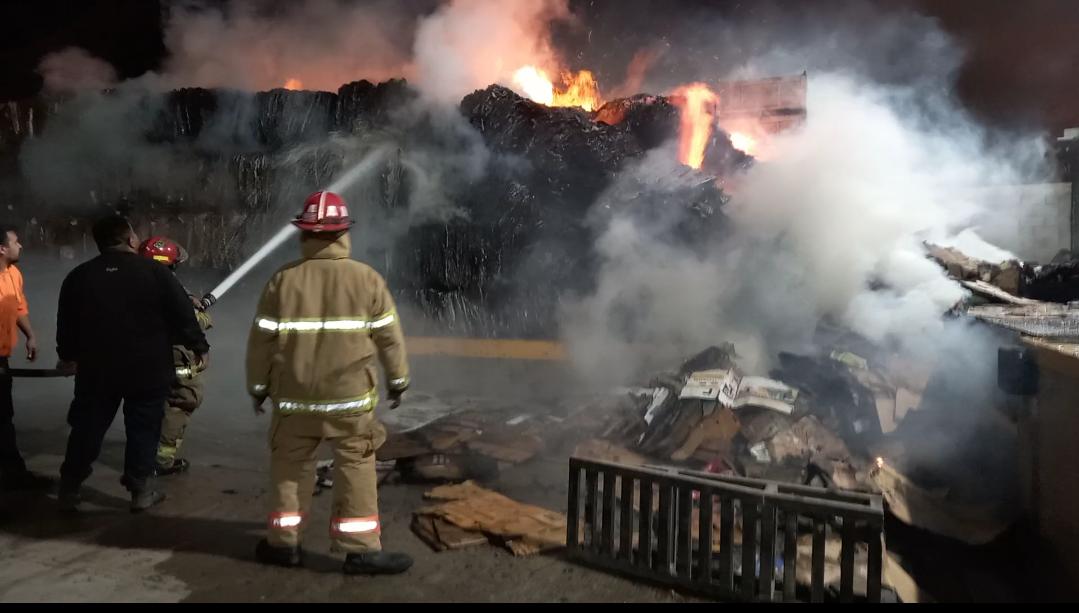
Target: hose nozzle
<point>208,301</point>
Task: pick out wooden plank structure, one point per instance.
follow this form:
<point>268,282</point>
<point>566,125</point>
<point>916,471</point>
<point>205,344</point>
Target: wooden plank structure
<point>658,538</point>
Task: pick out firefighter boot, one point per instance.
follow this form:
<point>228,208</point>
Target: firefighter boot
<point>68,498</point>
<point>177,466</point>
<point>377,563</point>
<point>142,500</point>
<point>289,557</point>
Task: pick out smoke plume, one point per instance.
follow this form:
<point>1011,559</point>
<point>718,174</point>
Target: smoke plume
<point>73,70</point>
<point>322,44</point>
<point>831,226</point>
<point>470,44</point>
<point>446,49</point>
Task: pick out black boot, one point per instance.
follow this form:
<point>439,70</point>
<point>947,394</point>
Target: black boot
<point>178,466</point>
<point>68,498</point>
<point>289,557</point>
<point>377,563</point>
<point>142,500</point>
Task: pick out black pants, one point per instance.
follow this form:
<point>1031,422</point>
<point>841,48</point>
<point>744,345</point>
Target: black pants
<point>11,463</point>
<point>92,412</point>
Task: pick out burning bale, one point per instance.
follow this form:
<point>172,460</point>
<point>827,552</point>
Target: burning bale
<point>652,120</point>
<point>485,265</point>
<point>526,238</point>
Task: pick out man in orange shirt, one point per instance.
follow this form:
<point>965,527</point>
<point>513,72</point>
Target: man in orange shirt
<point>14,316</point>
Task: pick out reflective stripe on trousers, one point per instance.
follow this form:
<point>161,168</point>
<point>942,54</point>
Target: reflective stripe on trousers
<point>279,521</point>
<point>355,525</point>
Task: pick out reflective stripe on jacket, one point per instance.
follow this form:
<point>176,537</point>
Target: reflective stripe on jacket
<point>321,324</point>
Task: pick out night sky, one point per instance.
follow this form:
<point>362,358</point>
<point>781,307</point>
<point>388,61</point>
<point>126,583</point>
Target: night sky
<point>1021,67</point>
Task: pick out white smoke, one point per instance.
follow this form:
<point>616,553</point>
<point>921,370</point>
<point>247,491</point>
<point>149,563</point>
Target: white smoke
<point>95,147</point>
<point>970,243</point>
<point>470,44</point>
<point>832,226</point>
<point>445,49</point>
<point>73,70</point>
<point>855,192</point>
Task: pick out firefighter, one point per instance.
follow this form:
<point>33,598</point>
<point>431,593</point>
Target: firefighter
<point>320,324</point>
<point>185,393</point>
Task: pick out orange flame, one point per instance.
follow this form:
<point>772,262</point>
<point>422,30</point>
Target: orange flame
<point>534,84</point>
<point>294,84</point>
<point>744,142</point>
<point>578,89</point>
<point>698,117</point>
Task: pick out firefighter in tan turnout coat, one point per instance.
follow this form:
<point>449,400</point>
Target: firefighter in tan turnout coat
<point>321,324</point>
<point>186,391</point>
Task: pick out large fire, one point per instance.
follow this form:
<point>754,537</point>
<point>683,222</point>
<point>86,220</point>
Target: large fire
<point>578,89</point>
<point>698,118</point>
<point>744,142</point>
<point>294,84</point>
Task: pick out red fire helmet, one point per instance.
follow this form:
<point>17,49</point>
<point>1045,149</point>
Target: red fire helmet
<point>323,212</point>
<point>163,249</point>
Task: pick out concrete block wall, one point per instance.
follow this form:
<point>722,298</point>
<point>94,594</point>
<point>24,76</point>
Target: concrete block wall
<point>1033,221</point>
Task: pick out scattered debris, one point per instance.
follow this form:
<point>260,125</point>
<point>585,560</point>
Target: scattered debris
<point>595,449</point>
<point>1004,275</point>
<point>714,433</point>
<point>1057,281</point>
<point>809,441</point>
<point>733,390</point>
<point>1012,281</point>
<point>934,510</point>
<point>991,291</point>
<point>448,468</point>
<point>441,535</point>
<point>523,529</point>
<point>466,444</point>
<point>900,580</point>
<point>760,453</point>
<point>1044,319</point>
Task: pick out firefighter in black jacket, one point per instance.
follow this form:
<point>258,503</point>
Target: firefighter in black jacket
<point>119,316</point>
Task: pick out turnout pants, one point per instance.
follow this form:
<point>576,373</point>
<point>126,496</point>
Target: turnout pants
<point>93,411</point>
<point>185,396</point>
<point>173,427</point>
<point>294,441</point>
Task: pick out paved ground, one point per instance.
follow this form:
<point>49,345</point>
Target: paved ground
<point>199,545</point>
